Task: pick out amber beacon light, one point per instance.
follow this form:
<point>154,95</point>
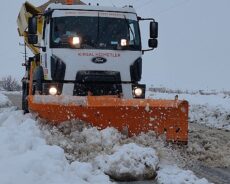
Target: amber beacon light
<point>69,2</point>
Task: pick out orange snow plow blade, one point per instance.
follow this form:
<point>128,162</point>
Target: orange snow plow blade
<point>169,117</point>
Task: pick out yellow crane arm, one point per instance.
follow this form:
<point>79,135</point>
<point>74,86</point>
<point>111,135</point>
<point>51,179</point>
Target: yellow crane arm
<point>28,10</point>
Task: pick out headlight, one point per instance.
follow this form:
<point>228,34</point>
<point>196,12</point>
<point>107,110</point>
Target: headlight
<point>124,42</point>
<point>53,91</point>
<point>138,92</point>
<point>76,40</point>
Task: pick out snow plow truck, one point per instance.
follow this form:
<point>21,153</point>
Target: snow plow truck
<point>87,65</point>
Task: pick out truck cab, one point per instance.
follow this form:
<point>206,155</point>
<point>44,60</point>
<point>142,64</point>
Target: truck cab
<point>90,50</point>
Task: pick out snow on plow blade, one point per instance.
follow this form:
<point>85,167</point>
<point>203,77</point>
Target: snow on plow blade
<point>169,117</point>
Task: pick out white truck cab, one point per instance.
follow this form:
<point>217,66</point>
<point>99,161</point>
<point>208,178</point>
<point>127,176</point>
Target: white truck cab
<point>90,50</point>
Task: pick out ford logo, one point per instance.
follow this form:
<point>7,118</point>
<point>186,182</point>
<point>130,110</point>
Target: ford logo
<point>99,60</point>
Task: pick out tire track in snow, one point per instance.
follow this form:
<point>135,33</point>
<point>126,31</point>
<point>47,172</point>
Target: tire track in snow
<point>215,175</point>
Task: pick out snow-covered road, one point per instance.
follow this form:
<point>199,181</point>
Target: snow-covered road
<point>210,150</point>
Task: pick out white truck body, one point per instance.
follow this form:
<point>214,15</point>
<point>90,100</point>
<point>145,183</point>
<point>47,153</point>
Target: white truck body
<point>81,59</point>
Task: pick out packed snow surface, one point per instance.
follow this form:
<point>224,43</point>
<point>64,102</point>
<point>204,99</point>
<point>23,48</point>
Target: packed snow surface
<point>171,174</point>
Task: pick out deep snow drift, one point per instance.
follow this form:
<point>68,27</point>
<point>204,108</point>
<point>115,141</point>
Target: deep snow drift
<point>26,158</point>
<point>33,152</point>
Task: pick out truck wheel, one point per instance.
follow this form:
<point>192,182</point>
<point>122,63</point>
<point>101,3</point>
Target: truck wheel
<point>25,92</point>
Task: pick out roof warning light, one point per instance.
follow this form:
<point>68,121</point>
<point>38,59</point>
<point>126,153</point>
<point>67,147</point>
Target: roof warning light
<point>69,2</point>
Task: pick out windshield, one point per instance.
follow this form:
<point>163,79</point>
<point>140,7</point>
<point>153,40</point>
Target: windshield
<point>95,33</point>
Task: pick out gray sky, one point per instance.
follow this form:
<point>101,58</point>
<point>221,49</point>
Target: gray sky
<point>194,38</point>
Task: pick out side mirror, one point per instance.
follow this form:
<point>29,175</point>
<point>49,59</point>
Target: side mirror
<point>32,25</point>
<point>32,39</point>
<point>153,43</point>
<point>153,29</point>
<point>32,30</point>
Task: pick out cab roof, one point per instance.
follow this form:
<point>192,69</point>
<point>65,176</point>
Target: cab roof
<point>59,6</point>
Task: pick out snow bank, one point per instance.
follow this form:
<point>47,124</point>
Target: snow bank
<point>107,137</point>
<point>173,175</point>
<point>4,101</point>
<point>129,162</point>
<point>215,117</point>
<point>196,99</point>
<point>209,110</point>
<point>26,158</point>
<point>80,142</point>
